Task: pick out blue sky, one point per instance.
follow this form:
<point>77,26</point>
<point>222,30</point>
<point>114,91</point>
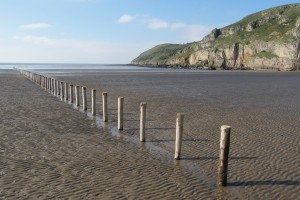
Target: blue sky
<point>110,31</point>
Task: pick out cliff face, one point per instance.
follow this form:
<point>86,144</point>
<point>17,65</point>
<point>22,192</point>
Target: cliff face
<point>267,39</point>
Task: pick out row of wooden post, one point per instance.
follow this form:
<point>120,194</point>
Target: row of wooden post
<point>62,91</point>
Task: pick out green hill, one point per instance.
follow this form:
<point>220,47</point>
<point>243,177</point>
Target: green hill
<point>267,39</point>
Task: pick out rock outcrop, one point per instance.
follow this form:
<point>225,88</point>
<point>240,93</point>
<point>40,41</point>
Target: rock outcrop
<point>267,39</point>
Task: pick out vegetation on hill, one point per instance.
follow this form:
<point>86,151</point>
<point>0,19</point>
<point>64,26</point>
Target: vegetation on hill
<point>272,34</point>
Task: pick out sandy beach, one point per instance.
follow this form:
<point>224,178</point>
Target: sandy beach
<point>50,149</point>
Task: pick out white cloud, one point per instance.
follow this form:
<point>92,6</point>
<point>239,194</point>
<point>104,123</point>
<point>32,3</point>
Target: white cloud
<point>33,26</point>
<point>44,49</point>
<point>189,32</point>
<point>37,40</point>
<point>157,24</point>
<point>161,24</point>
<point>177,25</point>
<point>126,18</point>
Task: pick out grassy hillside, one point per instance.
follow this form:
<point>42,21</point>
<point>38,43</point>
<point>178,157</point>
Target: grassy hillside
<point>160,52</point>
<point>280,24</point>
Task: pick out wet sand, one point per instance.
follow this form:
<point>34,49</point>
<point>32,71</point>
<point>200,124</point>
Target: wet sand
<point>46,156</point>
<point>51,151</point>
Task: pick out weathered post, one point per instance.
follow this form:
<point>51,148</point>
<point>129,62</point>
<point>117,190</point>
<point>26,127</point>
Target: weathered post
<point>77,95</point>
<point>84,99</point>
<point>57,88</point>
<point>54,86</point>
<point>61,90</point>
<point>71,94</point>
<point>224,154</point>
<point>93,102</point>
<point>104,105</point>
<point>66,92</point>
<point>120,112</point>
<point>45,83</point>
<point>49,85</point>
<point>179,133</point>
<point>142,121</point>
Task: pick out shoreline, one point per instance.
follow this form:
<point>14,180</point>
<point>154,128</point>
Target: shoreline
<point>211,68</point>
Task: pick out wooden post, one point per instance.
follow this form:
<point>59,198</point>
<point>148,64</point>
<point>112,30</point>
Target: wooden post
<point>50,88</point>
<point>71,94</point>
<point>45,83</point>
<point>84,99</point>
<point>66,91</point>
<point>224,154</point>
<point>93,102</point>
<point>120,112</point>
<point>54,86</point>
<point>77,95</point>
<point>104,105</point>
<point>57,88</point>
<point>142,121</point>
<point>179,133</point>
<point>49,83</point>
<point>61,90</point>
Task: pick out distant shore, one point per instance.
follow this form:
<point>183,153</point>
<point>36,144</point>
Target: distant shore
<point>208,68</point>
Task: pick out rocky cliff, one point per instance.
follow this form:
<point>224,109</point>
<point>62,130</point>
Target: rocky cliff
<point>267,39</point>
